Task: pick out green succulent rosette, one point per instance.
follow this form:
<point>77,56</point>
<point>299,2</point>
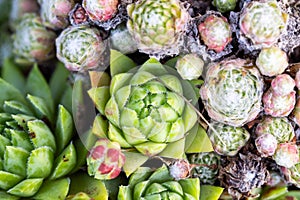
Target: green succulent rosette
<point>146,184</point>
<point>224,5</point>
<point>149,110</point>
<point>37,149</point>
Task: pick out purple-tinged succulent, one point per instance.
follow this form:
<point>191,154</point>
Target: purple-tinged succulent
<point>283,84</point>
<point>215,32</point>
<point>100,10</point>
<point>32,41</point>
<point>279,127</point>
<point>232,92</point>
<point>54,13</point>
<point>286,155</point>
<point>272,61</point>
<point>263,22</point>
<point>81,48</point>
<point>78,15</point>
<point>266,144</point>
<point>278,105</point>
<point>105,160</point>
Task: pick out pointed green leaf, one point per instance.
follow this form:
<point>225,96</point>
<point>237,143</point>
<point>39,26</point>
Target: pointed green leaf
<point>8,180</point>
<point>40,134</point>
<point>20,139</point>
<point>112,111</point>
<point>129,118</point>
<point>191,186</point>
<point>16,107</point>
<point>173,186</point>
<point>12,74</point>
<point>198,142</point>
<point>64,128</point>
<point>66,99</point>
<point>41,108</point>
<point>8,92</point>
<point>15,159</point>
<point>139,175</point>
<point>99,78</point>
<point>5,196</point>
<point>172,62</point>
<point>155,188</point>
<point>124,193</point>
<point>115,134</point>
<point>172,83</point>
<point>26,188</point>
<point>100,96</point>
<point>4,141</point>
<point>36,85</point>
<point>133,161</point>
<point>141,77</point>
<point>40,162</point>
<point>133,135</point>
<point>58,82</point>
<point>174,149</point>
<point>209,192</point>
<point>189,117</point>
<point>119,63</point>
<point>161,175</point>
<point>150,148</point>
<point>139,189</point>
<point>273,192</point>
<point>100,126</point>
<point>154,67</point>
<point>60,186</point>
<point>122,96</point>
<point>22,120</point>
<point>119,81</point>
<point>65,162</point>
<point>82,152</point>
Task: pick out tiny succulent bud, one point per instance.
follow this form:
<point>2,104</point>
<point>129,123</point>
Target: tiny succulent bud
<point>81,48</point>
<point>180,169</point>
<point>54,13</point>
<point>190,66</point>
<point>266,145</point>
<point>32,41</point>
<point>224,5</point>
<point>286,155</point>
<point>78,15</point>
<point>283,84</point>
<point>105,160</point>
<point>272,61</point>
<point>215,32</point>
<point>102,10</point>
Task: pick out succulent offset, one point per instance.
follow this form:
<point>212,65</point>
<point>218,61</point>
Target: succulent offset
<point>266,144</point>
<point>81,48</point>
<point>215,32</point>
<point>32,41</point>
<point>286,155</point>
<point>146,184</point>
<point>272,61</point>
<point>157,25</point>
<point>263,22</point>
<point>227,140</point>
<point>232,92</point>
<point>190,66</point>
<point>54,13</point>
<point>224,5</point>
<point>100,10</point>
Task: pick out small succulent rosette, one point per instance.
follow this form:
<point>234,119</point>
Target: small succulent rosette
<point>227,140</point>
<point>215,32</point>
<point>263,22</point>
<point>232,92</point>
<point>272,61</point>
<point>292,174</point>
<point>55,13</point>
<point>205,166</point>
<point>180,169</point>
<point>286,155</point>
<point>159,184</point>
<point>105,160</point>
<point>32,41</point>
<point>224,5</point>
<point>266,144</point>
<point>279,100</point>
<point>81,48</point>
<point>158,26</point>
<point>190,66</point>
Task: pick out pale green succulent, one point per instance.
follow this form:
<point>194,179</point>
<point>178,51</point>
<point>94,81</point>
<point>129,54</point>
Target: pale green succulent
<point>224,5</point>
<point>146,111</point>
<point>157,25</point>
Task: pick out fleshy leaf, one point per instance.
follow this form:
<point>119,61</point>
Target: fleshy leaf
<point>23,119</point>
<point>4,195</point>
<point>8,180</point>
<point>124,193</point>
<point>112,111</point>
<point>209,192</point>
<point>174,149</point>
<point>100,127</point>
<point>41,107</point>
<point>16,107</point>
<point>133,161</point>
<point>15,158</point>
<point>20,139</point>
<point>150,148</point>
<point>191,186</point>
<point>60,186</point>
<point>99,79</point>
<point>200,142</point>
<point>26,188</point>
<point>119,81</point>
<point>153,66</point>
<point>119,63</point>
<point>100,96</point>
<point>172,82</point>
<point>115,134</point>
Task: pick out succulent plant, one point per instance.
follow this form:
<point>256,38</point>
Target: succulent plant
<point>81,48</point>
<point>54,13</point>
<point>37,150</point>
<point>145,184</point>
<point>232,92</point>
<point>224,5</point>
<point>272,61</point>
<point>242,174</point>
<point>32,41</point>
<point>266,144</point>
<point>146,110</point>
<point>100,10</point>
<point>227,140</point>
<point>283,84</point>
<point>292,174</point>
<point>105,160</point>
<point>263,22</point>
<point>206,166</point>
<point>286,155</point>
<point>157,26</point>
<point>190,66</point>
<point>215,32</point>
<point>179,169</point>
<point>279,127</point>
<point>278,105</point>
<point>78,15</point>
<point>122,40</point>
